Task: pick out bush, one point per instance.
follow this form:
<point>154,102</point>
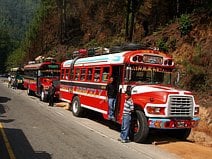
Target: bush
<point>196,71</point>
<point>185,24</point>
<point>162,45</point>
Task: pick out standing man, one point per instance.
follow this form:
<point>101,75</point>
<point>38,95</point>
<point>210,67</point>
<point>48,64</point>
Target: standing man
<point>9,81</point>
<point>51,95</point>
<point>126,119</point>
<point>111,98</point>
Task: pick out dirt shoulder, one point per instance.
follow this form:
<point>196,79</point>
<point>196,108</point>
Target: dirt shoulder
<point>199,144</point>
<point>188,150</point>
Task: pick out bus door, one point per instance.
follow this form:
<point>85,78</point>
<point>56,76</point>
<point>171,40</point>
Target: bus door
<point>117,73</point>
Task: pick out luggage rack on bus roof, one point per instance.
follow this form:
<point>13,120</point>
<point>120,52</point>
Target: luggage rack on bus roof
<point>96,51</point>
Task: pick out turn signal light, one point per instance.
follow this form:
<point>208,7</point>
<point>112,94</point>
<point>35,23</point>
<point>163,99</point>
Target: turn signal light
<point>140,58</point>
<point>196,111</point>
<point>169,62</point>
<point>135,58</point>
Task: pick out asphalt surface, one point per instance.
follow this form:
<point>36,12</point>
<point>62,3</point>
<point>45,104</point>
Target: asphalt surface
<point>36,131</point>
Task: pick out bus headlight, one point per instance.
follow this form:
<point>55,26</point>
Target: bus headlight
<point>19,81</point>
<point>156,110</point>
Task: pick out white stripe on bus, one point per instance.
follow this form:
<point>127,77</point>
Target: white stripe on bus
<point>89,95</point>
<point>95,109</point>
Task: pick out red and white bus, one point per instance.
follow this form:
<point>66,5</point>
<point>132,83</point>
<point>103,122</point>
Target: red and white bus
<point>149,75</point>
<point>39,76</point>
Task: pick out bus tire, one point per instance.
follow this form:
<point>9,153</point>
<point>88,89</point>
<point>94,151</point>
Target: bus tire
<point>29,92</point>
<point>181,134</point>
<point>77,110</point>
<point>140,129</point>
<point>43,97</point>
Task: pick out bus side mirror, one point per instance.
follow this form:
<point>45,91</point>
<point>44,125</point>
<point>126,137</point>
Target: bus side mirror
<point>128,73</point>
<point>177,78</point>
<point>39,73</point>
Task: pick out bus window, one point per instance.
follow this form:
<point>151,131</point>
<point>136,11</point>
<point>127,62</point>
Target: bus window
<point>71,74</point>
<point>34,73</point>
<point>162,77</point>
<point>105,74</point>
<point>62,74</point>
<point>67,74</point>
<point>83,73</point>
<point>77,74</point>
<point>89,74</point>
<point>97,74</point>
<point>141,76</point>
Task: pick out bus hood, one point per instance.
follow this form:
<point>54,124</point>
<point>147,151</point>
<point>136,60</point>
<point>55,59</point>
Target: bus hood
<point>154,93</point>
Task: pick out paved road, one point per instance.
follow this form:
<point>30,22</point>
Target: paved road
<point>36,131</point>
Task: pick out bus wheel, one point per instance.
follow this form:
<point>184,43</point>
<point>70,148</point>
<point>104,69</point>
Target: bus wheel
<point>29,92</point>
<point>43,97</point>
<point>180,134</point>
<point>77,110</point>
<point>140,129</point>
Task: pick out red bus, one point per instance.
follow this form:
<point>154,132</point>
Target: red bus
<point>39,76</point>
<point>148,74</point>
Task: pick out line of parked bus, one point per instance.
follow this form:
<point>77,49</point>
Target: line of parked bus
<point>148,74</point>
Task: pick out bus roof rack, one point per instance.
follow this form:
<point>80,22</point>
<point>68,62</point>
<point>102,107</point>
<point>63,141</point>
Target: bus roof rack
<point>31,62</point>
<point>132,46</point>
<point>126,47</point>
<point>115,49</point>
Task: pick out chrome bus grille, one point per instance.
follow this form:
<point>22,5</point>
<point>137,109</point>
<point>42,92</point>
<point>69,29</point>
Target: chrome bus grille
<point>180,106</point>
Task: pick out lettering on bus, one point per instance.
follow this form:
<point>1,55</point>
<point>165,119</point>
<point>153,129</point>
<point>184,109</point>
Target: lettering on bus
<point>89,91</point>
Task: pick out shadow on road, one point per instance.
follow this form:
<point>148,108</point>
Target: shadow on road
<point>20,146</point>
<point>2,107</point>
<point>4,99</point>
<point>97,117</point>
<point>156,136</point>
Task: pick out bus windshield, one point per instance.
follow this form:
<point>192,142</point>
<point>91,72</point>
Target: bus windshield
<point>161,78</point>
<point>151,76</point>
<point>49,73</point>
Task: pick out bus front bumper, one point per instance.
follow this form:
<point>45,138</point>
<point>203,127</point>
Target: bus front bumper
<point>175,123</point>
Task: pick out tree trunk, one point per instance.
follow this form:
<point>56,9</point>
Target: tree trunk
<point>132,21</point>
<point>127,20</point>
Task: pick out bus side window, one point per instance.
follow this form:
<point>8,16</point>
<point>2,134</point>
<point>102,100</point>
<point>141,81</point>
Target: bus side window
<point>35,74</point>
<point>77,74</point>
<point>89,74</point>
<point>67,74</point>
<point>71,74</point>
<point>97,74</point>
<point>105,74</point>
<point>83,72</point>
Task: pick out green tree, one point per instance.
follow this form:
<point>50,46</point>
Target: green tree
<point>5,48</point>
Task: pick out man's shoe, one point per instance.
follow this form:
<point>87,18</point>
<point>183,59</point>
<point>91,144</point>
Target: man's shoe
<point>124,141</point>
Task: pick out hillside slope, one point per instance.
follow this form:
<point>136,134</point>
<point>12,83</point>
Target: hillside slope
<point>193,56</point>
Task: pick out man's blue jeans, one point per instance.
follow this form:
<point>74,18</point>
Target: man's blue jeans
<point>111,107</point>
<point>125,127</point>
